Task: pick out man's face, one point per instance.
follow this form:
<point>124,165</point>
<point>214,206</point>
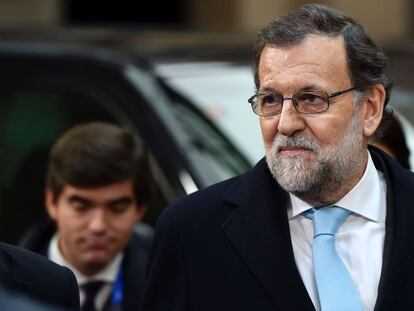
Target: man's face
<point>313,155</point>
<point>94,224</point>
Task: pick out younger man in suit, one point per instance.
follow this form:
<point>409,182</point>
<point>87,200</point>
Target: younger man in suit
<point>98,187</point>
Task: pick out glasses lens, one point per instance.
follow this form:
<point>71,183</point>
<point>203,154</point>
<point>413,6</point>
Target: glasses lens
<point>269,104</point>
<point>311,102</point>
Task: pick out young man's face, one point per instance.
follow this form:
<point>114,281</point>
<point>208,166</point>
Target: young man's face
<point>94,224</point>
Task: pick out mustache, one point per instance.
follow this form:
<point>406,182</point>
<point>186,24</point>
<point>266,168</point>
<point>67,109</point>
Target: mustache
<point>295,141</point>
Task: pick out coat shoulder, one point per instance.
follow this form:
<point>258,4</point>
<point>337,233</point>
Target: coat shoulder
<point>48,282</point>
<point>25,260</point>
<point>202,202</point>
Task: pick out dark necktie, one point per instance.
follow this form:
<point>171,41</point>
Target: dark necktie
<point>336,289</point>
<point>91,289</point>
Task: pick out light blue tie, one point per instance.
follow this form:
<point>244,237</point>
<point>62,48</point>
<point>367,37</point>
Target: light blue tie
<point>336,290</point>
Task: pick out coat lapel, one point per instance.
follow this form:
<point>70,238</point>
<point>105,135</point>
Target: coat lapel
<point>259,232</point>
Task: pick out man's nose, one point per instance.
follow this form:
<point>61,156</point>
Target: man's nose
<point>97,222</point>
<point>290,120</point>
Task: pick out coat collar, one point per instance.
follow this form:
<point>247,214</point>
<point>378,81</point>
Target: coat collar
<point>259,231</point>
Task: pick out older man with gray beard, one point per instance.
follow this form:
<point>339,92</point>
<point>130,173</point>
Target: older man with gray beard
<point>324,221</point>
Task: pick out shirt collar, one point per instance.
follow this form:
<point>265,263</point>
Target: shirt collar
<point>108,274</point>
<point>364,199</point>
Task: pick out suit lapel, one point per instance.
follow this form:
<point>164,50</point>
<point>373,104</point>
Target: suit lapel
<point>133,265</point>
<point>259,232</point>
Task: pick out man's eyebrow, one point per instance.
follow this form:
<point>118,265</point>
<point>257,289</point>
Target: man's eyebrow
<point>121,200</point>
<point>79,199</point>
<point>307,88</point>
<point>267,90</point>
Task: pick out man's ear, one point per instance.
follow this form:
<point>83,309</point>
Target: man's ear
<point>51,205</point>
<point>373,108</point>
<point>141,210</point>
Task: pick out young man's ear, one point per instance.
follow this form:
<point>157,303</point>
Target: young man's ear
<point>50,201</point>
<point>141,210</point>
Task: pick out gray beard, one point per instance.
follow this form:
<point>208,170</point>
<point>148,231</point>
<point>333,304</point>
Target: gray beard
<point>328,172</point>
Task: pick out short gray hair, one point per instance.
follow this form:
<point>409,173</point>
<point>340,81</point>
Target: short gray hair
<point>366,61</point>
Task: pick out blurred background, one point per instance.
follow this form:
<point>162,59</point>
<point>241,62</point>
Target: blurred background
<point>384,19</point>
<point>177,72</point>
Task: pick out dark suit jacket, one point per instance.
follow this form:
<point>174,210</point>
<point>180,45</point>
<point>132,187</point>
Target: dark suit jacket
<point>228,247</point>
<point>134,262</point>
<point>31,275</point>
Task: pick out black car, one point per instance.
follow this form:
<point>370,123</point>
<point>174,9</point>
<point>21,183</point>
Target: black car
<point>46,88</point>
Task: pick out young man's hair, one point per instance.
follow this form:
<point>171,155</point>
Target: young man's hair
<point>366,61</point>
<point>97,154</point>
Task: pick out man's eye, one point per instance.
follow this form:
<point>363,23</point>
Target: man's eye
<point>270,99</point>
<point>119,207</point>
<point>81,208</point>
<point>311,99</point>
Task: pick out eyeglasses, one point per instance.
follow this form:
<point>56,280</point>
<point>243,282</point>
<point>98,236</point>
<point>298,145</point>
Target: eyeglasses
<point>306,102</point>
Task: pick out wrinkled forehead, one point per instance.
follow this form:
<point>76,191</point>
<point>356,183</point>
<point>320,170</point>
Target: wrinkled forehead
<point>317,58</point>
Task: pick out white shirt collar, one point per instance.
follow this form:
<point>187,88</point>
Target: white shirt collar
<point>108,274</point>
<point>362,199</point>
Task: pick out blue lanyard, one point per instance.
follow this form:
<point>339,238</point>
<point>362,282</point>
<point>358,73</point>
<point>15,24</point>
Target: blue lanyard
<point>118,291</point>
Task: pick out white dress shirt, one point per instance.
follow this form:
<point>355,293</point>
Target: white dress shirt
<point>359,241</point>
<point>107,275</point>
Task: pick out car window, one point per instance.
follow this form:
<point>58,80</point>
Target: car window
<point>209,151</point>
<point>31,119</point>
<point>220,90</point>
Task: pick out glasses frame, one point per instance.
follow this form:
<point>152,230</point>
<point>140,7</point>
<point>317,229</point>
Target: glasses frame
<point>328,96</point>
